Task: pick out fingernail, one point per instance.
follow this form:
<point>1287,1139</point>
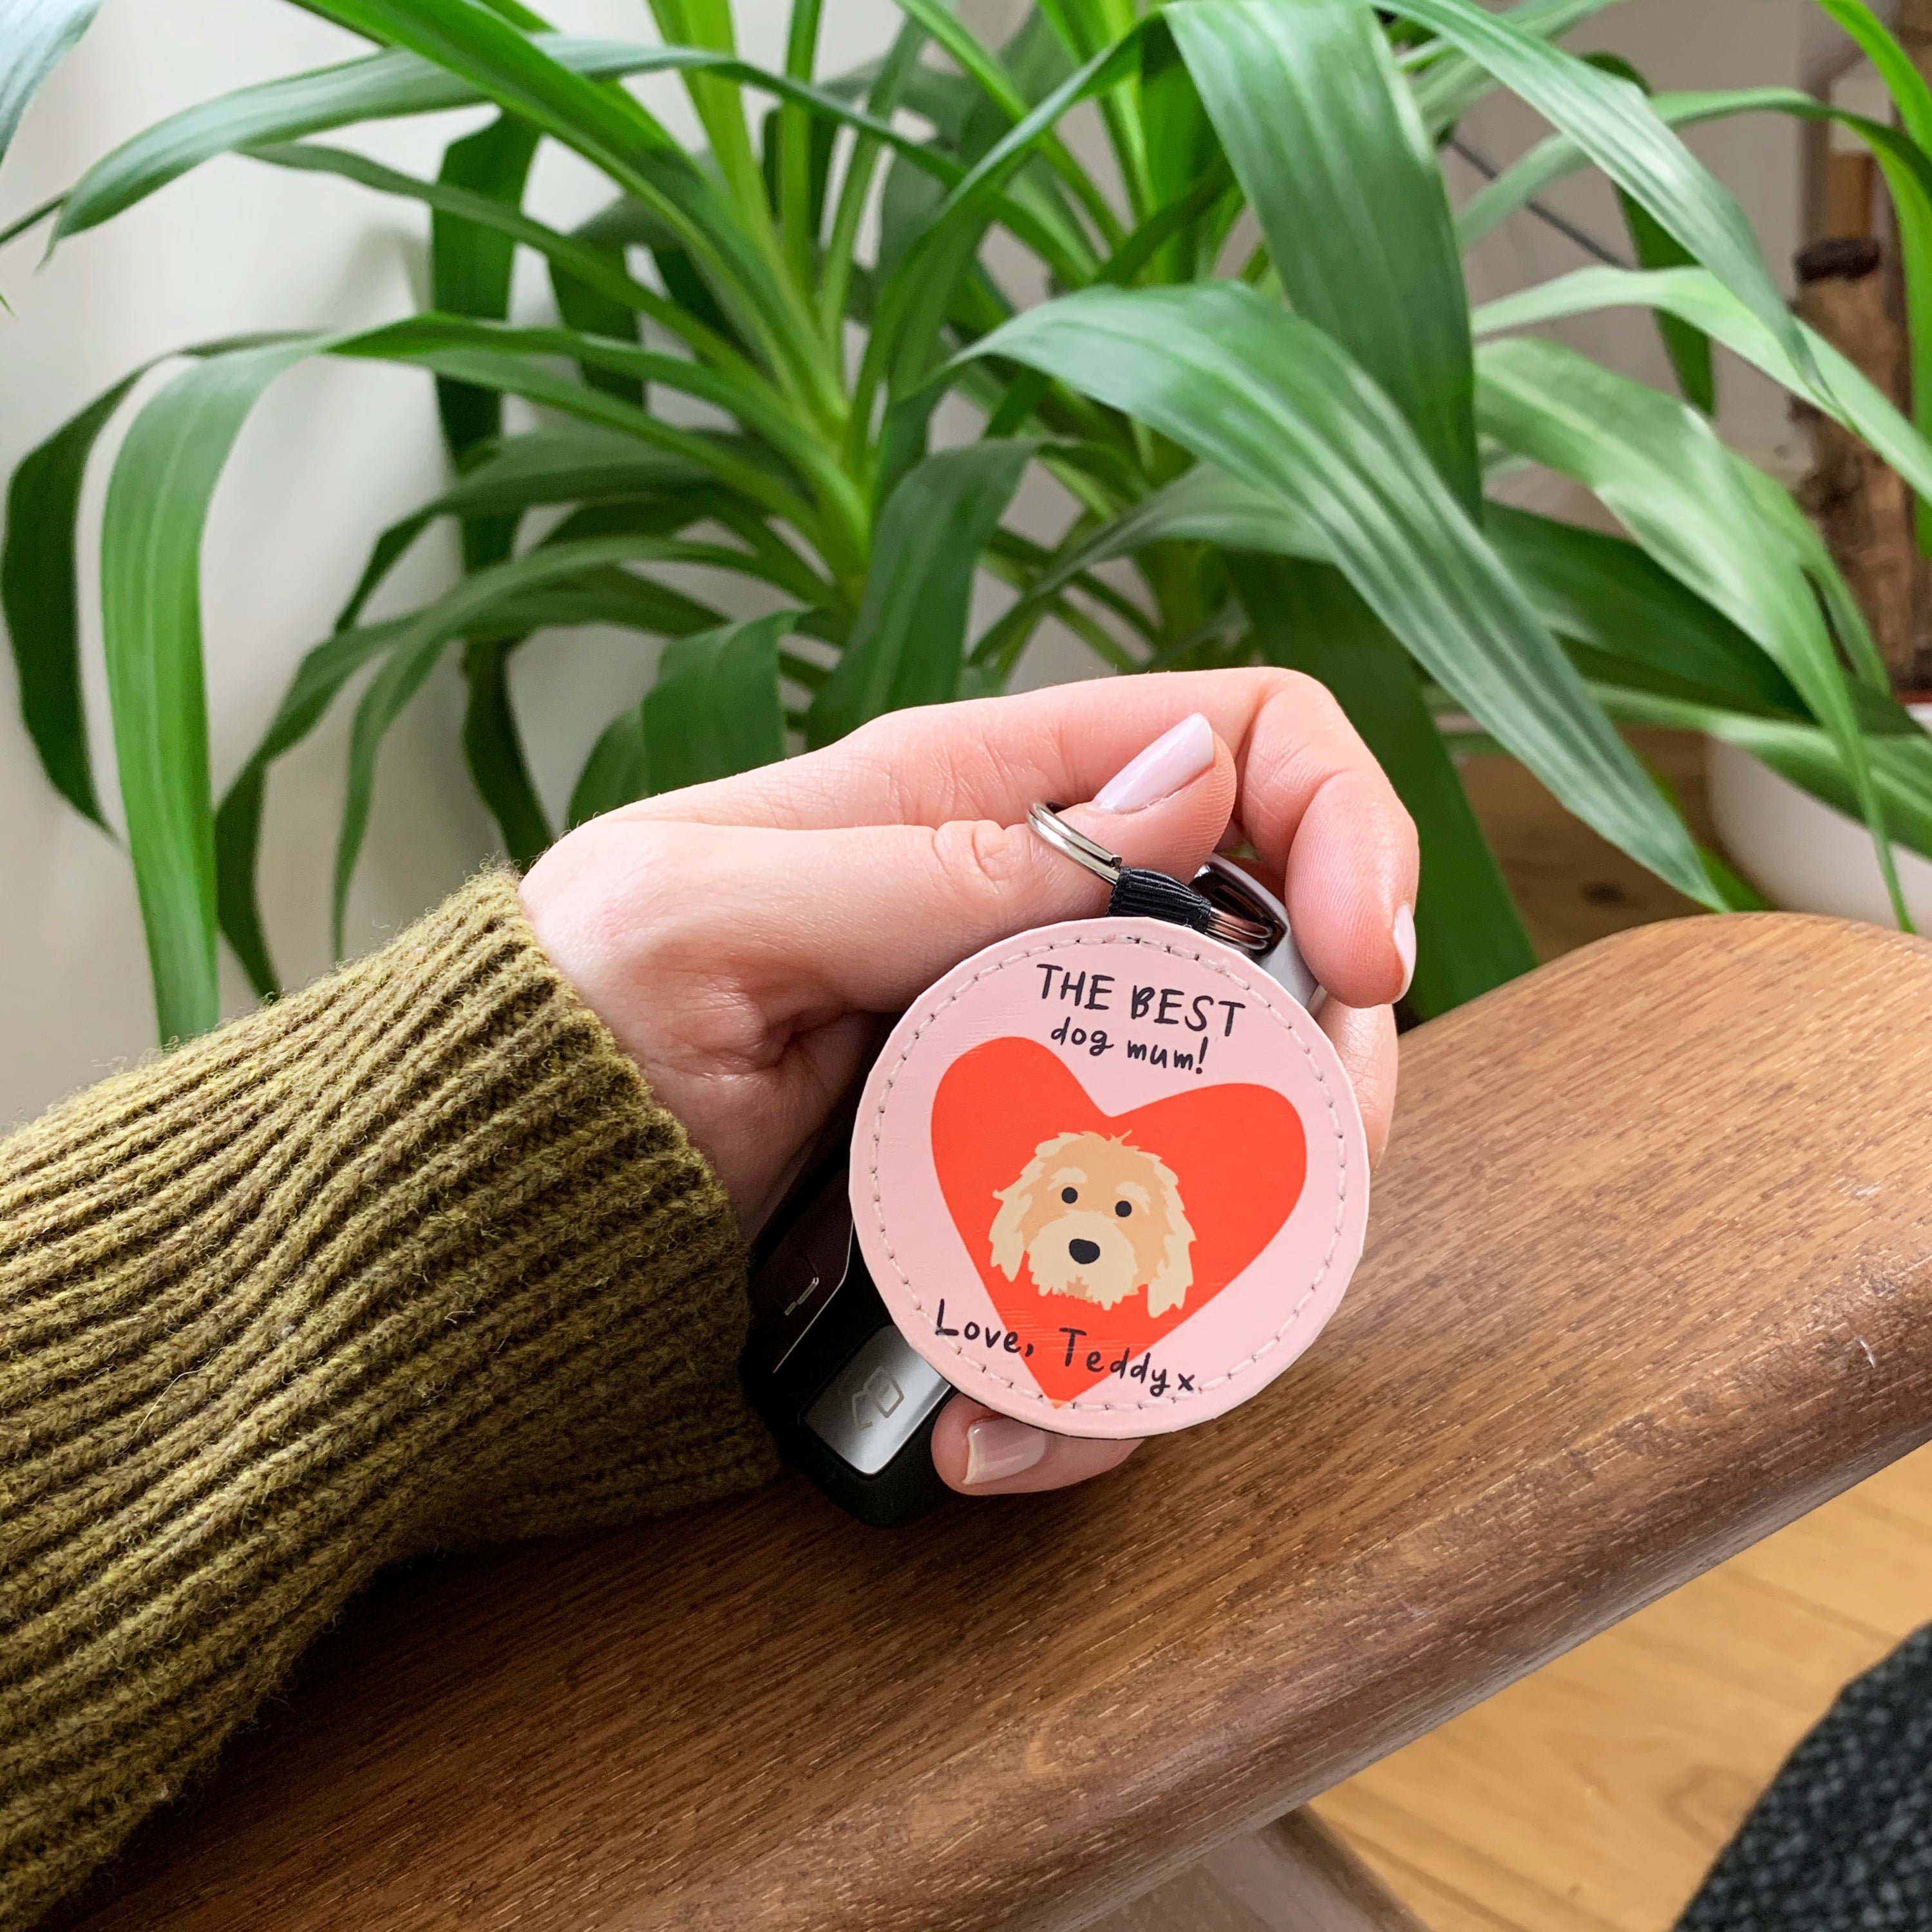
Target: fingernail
<point>1404,936</point>
<point>995,1448</point>
<point>1170,762</point>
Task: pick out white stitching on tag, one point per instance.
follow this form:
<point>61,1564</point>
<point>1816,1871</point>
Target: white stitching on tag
<point>1034,1394</point>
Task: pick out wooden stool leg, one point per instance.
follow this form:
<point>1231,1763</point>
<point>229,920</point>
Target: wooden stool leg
<point>1295,1875</point>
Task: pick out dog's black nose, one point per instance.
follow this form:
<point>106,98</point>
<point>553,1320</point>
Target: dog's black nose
<point>1084,1251</point>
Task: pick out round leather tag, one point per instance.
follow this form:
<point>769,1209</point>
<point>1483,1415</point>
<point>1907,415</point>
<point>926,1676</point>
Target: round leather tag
<point>1109,1177</point>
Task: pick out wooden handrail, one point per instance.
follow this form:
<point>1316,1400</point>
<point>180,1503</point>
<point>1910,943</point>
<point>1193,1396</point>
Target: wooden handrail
<point>1648,1276</point>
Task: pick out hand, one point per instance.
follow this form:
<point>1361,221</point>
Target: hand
<point>748,942</point>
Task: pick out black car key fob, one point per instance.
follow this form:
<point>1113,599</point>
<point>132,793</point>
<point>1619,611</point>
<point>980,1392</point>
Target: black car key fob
<point>850,1404</point>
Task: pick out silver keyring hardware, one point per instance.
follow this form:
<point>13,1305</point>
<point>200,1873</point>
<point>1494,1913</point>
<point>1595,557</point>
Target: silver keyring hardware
<point>1236,917</point>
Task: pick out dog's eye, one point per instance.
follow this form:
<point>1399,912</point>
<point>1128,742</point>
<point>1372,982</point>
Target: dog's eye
<point>1123,1208</point>
<point>1070,1194</point>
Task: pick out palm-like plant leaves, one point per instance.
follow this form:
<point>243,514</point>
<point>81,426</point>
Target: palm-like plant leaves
<point>738,386</point>
<point>157,509</point>
<point>35,36</point>
<point>1272,398</point>
<point>715,709</point>
<point>908,637</point>
<point>1326,141</point>
<point>1658,465</point>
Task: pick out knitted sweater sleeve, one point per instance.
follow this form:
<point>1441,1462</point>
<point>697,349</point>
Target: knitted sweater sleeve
<point>408,1261</point>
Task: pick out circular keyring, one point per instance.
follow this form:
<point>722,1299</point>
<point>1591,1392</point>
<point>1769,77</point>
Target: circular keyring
<point>1225,912</point>
<point>1046,821</point>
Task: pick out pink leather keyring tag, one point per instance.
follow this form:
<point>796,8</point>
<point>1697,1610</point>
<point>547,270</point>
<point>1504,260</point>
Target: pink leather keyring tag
<point>1109,1176</point>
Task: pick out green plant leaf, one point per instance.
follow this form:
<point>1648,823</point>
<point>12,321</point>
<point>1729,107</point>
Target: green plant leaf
<point>1000,88</point>
<point>1200,506</point>
<point>1902,766</point>
<point>34,217</point>
<point>1911,201</point>
<point>721,110</point>
<point>1606,592</point>
<point>901,350</point>
<point>1447,83</point>
<point>587,585</point>
<point>628,224</point>
<point>1907,165</point>
<point>470,264</point>
<point>39,587</point>
<point>898,71</point>
<point>1469,935</point>
<point>548,81</point>
<point>375,87</point>
<point>612,130</point>
<point>799,170</point>
<point>1601,591</point>
<point>1846,394</point>
<point>1611,120</point>
<point>616,772</point>
<point>322,672</point>
<point>1269,397</point>
<point>909,638</point>
<point>39,590</point>
<point>595,594</point>
<point>1037,61</point>
<point>715,710</point>
<point>1660,467</point>
<point>589,264</point>
<point>1324,136</point>
<point>157,509</point>
<point>493,747</point>
<point>395,84</point>
<point>1183,151</point>
<point>506,357</point>
<point>35,37</point>
<point>1083,27</point>
<point>566,463</point>
<point>1794,530</point>
<point>475,603</point>
<point>1557,155</point>
<point>1903,81</point>
<point>1689,349</point>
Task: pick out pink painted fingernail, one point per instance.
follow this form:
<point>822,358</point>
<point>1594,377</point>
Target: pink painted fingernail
<point>1404,936</point>
<point>996,1448</point>
<point>1172,760</point>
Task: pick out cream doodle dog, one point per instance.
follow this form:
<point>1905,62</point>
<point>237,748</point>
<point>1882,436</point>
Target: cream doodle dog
<point>1096,1218</point>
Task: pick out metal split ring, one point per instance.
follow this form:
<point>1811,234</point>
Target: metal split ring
<point>1229,909</point>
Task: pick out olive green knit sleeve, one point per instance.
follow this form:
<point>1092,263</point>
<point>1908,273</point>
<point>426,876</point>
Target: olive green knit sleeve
<point>407,1261</point>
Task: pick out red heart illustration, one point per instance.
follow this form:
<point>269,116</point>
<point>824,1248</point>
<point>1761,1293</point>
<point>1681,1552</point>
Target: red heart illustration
<point>1006,1121</point>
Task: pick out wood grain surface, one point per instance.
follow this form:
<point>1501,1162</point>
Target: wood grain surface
<point>1647,1276</point>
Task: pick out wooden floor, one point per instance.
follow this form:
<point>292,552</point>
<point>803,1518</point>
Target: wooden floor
<point>1594,1794</point>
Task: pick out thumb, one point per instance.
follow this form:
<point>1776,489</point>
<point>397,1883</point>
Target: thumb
<point>866,917</point>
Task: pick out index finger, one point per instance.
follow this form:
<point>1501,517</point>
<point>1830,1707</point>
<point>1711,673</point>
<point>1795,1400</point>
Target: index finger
<point>1299,764</point>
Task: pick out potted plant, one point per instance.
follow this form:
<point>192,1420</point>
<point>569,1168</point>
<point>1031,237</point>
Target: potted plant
<point>1799,846</point>
<point>1286,439</point>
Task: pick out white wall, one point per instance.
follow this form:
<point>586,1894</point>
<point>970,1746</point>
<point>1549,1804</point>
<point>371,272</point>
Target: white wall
<point>335,452</point>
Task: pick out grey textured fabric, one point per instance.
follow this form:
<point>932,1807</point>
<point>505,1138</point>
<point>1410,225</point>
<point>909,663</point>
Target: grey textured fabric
<point>1842,1841</point>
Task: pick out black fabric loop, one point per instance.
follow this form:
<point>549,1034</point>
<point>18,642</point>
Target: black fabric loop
<point>1141,894</point>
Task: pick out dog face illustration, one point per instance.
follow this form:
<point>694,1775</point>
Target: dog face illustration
<point>1096,1218</point>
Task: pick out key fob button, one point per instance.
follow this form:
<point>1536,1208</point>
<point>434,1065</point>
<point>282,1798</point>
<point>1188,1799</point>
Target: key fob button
<point>875,1404</point>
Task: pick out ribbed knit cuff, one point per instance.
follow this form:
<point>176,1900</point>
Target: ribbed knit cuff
<point>408,1260</point>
